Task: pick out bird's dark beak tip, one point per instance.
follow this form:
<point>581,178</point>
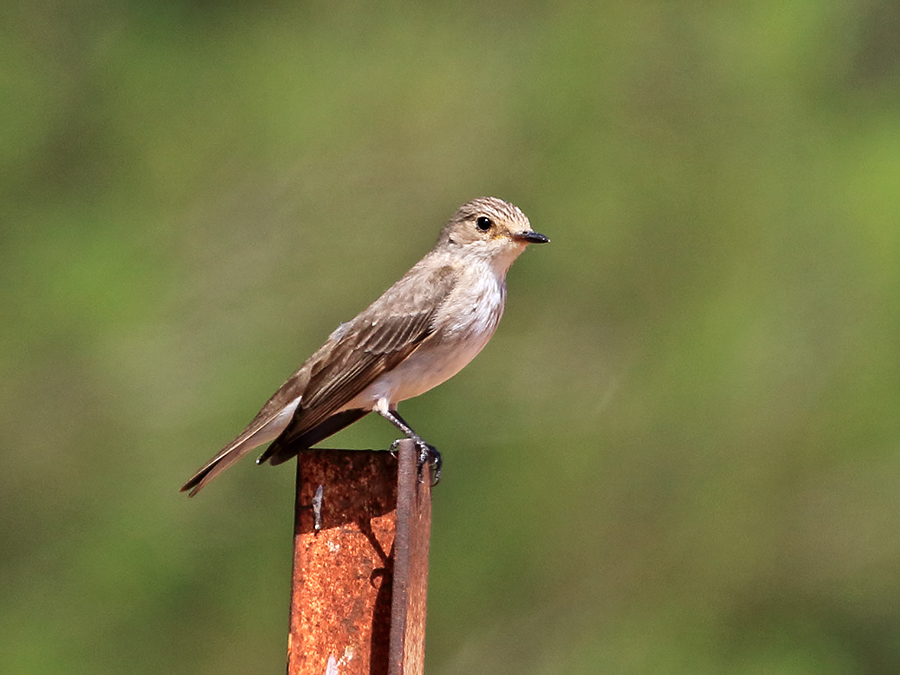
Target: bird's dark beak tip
<point>533,238</point>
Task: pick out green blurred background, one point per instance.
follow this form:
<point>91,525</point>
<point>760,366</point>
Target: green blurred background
<point>679,454</point>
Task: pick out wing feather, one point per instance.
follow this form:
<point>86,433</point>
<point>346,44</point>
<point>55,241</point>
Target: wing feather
<point>375,342</point>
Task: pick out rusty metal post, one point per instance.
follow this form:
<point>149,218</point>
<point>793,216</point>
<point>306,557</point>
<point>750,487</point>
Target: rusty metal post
<point>349,555</point>
<point>410,587</point>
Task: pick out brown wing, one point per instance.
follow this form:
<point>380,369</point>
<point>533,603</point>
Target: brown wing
<point>375,342</point>
<point>355,355</point>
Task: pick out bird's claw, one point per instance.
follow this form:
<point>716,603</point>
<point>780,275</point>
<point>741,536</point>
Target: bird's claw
<point>429,456</point>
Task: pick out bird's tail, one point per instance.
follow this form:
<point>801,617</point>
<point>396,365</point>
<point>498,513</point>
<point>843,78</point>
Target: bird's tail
<point>258,433</point>
<point>215,466</point>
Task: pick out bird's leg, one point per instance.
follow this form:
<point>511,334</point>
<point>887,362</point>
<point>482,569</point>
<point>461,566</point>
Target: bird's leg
<point>426,450</point>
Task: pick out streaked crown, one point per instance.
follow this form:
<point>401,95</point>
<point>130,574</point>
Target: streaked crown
<point>486,219</point>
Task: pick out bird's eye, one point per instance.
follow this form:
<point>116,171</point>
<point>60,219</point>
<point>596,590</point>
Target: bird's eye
<point>483,223</point>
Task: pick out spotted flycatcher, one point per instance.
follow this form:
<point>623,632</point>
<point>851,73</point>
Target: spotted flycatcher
<point>419,333</point>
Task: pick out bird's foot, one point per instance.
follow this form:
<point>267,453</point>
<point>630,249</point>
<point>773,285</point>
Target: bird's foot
<point>428,456</point>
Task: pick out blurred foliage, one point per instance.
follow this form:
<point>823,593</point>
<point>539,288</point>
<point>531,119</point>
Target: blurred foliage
<point>678,455</point>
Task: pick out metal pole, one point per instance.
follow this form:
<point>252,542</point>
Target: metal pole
<point>410,588</point>
<point>361,531</point>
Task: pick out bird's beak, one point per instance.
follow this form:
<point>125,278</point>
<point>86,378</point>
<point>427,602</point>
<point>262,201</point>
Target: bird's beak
<point>531,237</point>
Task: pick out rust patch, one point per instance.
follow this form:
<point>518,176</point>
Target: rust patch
<point>341,590</point>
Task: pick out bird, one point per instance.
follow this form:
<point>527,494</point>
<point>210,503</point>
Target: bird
<point>421,331</point>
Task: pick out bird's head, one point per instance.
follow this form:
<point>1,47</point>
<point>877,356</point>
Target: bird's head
<point>490,228</point>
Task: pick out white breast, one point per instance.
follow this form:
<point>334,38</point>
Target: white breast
<point>464,325</point>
